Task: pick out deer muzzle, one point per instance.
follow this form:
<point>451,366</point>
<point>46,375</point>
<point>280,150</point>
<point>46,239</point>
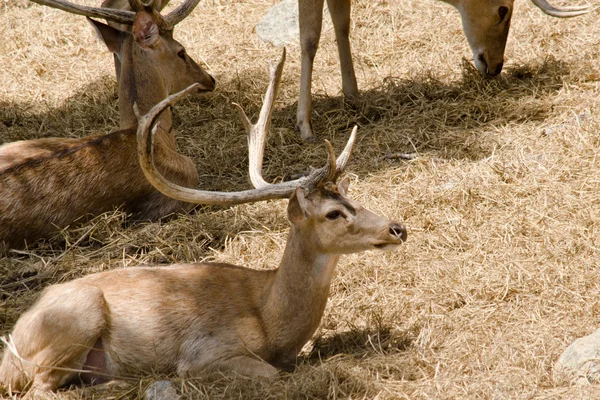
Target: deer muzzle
<point>396,234</point>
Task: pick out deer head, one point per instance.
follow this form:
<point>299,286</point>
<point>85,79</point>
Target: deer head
<point>152,65</point>
<point>486,25</point>
<point>335,224</point>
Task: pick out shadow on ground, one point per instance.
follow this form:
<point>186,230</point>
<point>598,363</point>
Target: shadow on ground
<point>362,342</point>
<point>417,115</point>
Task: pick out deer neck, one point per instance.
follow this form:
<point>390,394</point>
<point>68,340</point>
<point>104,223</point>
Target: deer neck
<point>295,301</point>
<point>141,83</point>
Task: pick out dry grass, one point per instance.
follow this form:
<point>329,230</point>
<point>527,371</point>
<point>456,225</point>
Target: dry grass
<point>502,202</point>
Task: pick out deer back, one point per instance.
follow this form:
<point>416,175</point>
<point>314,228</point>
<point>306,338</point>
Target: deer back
<point>49,184</point>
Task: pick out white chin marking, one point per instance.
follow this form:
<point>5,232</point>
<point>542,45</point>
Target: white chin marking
<point>481,67</point>
<point>387,247</point>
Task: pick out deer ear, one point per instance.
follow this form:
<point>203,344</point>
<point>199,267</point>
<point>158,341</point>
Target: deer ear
<point>112,37</point>
<point>298,207</point>
<point>343,186</point>
<point>145,30</point>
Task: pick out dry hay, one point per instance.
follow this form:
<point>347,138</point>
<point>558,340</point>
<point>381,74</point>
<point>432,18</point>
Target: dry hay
<point>502,200</point>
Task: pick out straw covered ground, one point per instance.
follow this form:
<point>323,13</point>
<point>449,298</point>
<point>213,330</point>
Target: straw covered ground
<point>502,199</point>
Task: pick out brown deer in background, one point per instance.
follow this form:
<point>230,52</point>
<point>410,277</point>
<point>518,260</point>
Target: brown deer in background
<point>157,5</point>
<point>485,24</point>
<point>189,319</point>
<point>48,184</point>
<point>152,67</point>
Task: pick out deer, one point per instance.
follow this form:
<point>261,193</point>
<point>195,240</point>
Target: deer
<point>153,66</point>
<point>52,183</point>
<point>124,5</point>
<point>485,24</point>
<point>192,319</point>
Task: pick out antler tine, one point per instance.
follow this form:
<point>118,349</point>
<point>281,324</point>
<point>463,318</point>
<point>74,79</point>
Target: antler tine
<point>257,137</point>
<point>330,169</point>
<point>146,157</point>
<point>120,16</point>
<point>257,133</point>
<point>265,192</point>
<point>334,167</point>
<point>343,158</point>
<point>181,12</point>
<point>565,12</point>
<point>137,5</point>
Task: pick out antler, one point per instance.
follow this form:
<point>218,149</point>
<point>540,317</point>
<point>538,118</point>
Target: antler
<point>120,16</point>
<point>123,16</point>
<point>256,134</point>
<point>565,12</point>
<point>181,12</point>
<point>257,138</point>
<point>153,7</point>
<point>168,22</point>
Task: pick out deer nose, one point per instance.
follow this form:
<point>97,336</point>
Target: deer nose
<point>213,83</point>
<point>487,68</point>
<point>499,68</point>
<point>398,232</point>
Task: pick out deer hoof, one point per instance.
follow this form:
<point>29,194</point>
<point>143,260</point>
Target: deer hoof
<point>306,133</point>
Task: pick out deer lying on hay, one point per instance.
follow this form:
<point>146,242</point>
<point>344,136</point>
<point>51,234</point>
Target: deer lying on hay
<point>152,64</point>
<point>48,184</point>
<point>485,24</point>
<point>192,318</point>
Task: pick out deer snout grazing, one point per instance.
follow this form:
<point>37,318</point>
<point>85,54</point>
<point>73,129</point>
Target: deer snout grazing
<point>488,67</point>
<point>398,231</point>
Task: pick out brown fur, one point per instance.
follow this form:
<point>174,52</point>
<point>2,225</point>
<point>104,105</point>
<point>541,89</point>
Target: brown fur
<point>188,319</point>
<point>49,184</point>
<point>61,186</point>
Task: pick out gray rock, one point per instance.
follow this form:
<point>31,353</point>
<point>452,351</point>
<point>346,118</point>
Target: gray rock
<point>161,390</point>
<point>280,24</point>
<point>580,362</point>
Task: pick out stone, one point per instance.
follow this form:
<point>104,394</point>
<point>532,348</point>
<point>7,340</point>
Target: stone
<point>280,25</point>
<point>580,362</point>
<point>161,390</point>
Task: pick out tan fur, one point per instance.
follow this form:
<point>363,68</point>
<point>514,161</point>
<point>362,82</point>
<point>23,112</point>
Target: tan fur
<point>192,318</point>
<point>49,184</point>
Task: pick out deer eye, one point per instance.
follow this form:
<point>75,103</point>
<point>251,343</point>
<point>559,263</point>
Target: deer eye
<point>331,215</point>
<point>502,11</point>
<point>181,54</point>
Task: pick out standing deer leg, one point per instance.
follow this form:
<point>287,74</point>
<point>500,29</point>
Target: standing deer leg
<point>340,15</point>
<point>311,19</point>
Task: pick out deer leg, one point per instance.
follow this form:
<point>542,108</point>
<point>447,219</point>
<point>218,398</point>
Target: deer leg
<point>59,331</point>
<point>248,366</point>
<point>340,15</point>
<point>311,20</point>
